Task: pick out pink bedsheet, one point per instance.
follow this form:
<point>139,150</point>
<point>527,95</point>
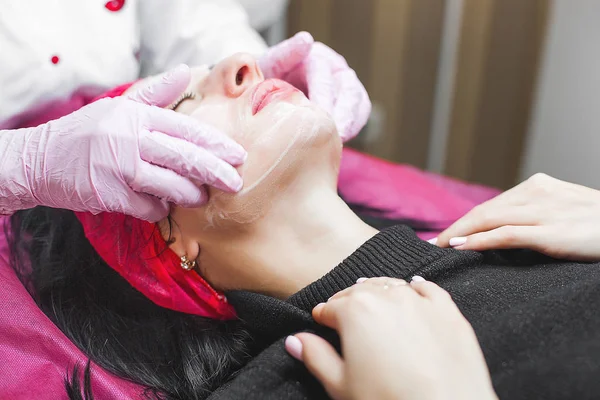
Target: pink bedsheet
<point>407,193</point>
<point>35,354</point>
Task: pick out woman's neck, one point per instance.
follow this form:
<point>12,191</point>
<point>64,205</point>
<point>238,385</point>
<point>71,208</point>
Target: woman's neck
<point>289,248</point>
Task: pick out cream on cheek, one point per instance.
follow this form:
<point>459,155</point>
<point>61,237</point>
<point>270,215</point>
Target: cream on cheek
<point>274,134</point>
<point>276,139</point>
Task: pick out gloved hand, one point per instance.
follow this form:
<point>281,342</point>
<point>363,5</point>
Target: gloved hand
<point>123,155</point>
<point>324,76</point>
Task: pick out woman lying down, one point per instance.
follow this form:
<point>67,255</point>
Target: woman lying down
<point>199,304</point>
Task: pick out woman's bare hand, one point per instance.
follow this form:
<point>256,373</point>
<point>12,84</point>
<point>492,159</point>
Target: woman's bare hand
<point>544,214</point>
<point>399,341</point>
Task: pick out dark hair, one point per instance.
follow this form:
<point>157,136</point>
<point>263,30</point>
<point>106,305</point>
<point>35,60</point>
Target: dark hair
<point>174,355</point>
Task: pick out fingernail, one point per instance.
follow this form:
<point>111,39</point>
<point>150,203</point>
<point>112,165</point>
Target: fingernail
<point>433,241</point>
<point>293,345</point>
<point>417,278</point>
<point>457,241</point>
<point>361,280</point>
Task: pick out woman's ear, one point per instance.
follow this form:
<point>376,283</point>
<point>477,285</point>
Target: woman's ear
<point>178,241</point>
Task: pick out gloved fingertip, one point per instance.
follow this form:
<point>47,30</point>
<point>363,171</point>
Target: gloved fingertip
<point>305,37</point>
<point>182,71</point>
<point>163,90</point>
<point>237,185</point>
<point>228,179</point>
<point>155,215</point>
<point>238,156</point>
<point>192,198</point>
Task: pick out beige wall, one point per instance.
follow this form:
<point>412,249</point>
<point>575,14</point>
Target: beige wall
<point>497,70</point>
<point>564,138</point>
<point>395,47</point>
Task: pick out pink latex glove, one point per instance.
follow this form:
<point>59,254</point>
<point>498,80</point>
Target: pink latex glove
<point>123,154</point>
<point>324,76</point>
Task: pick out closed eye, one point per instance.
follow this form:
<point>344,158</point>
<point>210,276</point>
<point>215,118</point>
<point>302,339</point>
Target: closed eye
<point>185,96</point>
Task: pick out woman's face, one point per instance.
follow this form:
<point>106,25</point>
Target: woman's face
<point>282,131</point>
<point>293,153</point>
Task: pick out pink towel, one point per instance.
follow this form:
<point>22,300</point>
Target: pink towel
<point>407,193</point>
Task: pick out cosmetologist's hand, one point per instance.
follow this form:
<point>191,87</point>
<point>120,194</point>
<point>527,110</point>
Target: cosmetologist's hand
<point>324,76</point>
<point>124,154</point>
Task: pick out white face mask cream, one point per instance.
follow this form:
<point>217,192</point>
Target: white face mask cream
<point>278,135</point>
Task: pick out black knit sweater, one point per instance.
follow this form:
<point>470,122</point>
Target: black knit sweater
<point>537,319</point>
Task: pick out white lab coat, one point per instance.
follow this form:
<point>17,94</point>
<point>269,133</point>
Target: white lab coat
<point>54,53</point>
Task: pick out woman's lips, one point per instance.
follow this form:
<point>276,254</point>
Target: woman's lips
<point>269,91</point>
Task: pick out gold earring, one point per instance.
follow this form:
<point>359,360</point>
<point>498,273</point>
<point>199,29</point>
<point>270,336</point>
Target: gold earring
<point>187,264</point>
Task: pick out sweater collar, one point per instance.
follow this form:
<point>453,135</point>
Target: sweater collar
<point>395,252</point>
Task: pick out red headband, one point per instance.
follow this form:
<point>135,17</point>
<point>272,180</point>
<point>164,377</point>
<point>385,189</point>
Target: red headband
<point>138,252</point>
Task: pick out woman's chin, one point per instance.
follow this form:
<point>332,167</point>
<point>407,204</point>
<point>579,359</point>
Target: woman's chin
<point>284,143</point>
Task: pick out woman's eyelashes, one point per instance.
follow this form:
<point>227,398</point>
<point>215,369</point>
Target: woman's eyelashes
<point>185,96</point>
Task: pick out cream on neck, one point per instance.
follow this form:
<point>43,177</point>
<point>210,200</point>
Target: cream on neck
<point>287,227</point>
<point>299,241</point>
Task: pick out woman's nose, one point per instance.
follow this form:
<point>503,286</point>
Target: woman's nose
<point>240,72</point>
